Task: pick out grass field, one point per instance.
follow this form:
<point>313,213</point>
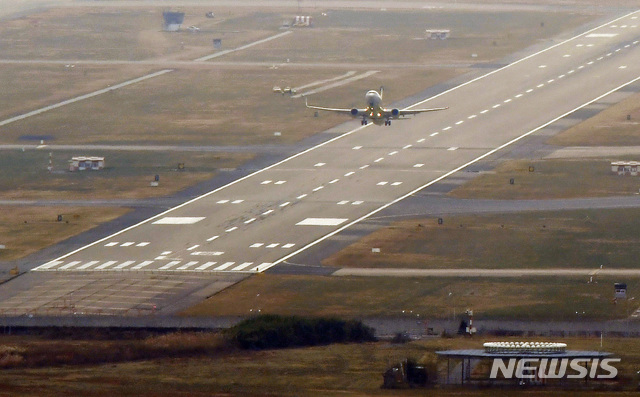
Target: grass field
<point>206,107</point>
<point>126,174</point>
<point>551,179</point>
<point>22,92</point>
<point>608,128</point>
<point>354,369</point>
<point>24,230</point>
<point>398,36</point>
<point>538,298</point>
<point>123,33</point>
<point>556,239</point>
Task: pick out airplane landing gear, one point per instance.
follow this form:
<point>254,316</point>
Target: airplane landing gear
<point>387,122</point>
<point>364,122</point>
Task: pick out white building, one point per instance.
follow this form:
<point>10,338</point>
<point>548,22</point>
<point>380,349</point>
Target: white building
<point>434,34</point>
<point>625,167</point>
<point>86,163</point>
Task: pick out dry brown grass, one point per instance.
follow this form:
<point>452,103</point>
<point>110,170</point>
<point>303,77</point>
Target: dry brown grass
<point>530,240</point>
<point>24,230</point>
<point>551,179</point>
<point>608,128</point>
<point>320,371</point>
<point>540,298</point>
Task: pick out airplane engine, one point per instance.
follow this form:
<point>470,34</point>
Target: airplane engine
<point>354,112</point>
<point>395,112</point>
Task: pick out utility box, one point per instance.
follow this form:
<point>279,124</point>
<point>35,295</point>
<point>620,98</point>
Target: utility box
<point>620,290</point>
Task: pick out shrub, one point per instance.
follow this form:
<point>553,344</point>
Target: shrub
<point>273,331</point>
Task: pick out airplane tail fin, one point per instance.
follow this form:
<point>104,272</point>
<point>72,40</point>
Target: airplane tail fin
<point>381,91</point>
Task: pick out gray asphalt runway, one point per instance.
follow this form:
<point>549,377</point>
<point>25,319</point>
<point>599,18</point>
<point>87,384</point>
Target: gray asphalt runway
<point>270,216</point>
<point>265,218</point>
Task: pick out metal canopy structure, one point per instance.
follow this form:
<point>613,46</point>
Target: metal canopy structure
<point>467,359</point>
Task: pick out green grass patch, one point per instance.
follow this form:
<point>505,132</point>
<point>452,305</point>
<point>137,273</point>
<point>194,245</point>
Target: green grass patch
<point>526,298</point>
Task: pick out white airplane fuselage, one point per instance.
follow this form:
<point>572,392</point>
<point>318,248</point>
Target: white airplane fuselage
<point>374,109</point>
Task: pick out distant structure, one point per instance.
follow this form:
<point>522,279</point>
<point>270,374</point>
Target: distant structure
<point>82,163</point>
<point>620,290</point>
<point>434,34</point>
<point>217,43</point>
<point>625,167</point>
<point>172,21</point>
<point>302,21</point>
<point>532,358</point>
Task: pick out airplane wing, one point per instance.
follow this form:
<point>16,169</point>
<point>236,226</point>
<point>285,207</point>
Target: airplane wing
<point>398,113</point>
<point>337,110</point>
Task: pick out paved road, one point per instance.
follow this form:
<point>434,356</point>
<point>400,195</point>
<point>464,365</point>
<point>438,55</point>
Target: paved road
<point>270,216</point>
<point>276,149</point>
<point>551,272</point>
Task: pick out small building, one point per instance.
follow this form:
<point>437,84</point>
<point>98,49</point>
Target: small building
<point>434,34</point>
<point>625,167</point>
<point>82,163</point>
<point>172,21</point>
<point>620,290</point>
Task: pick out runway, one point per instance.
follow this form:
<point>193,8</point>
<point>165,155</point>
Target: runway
<point>274,214</point>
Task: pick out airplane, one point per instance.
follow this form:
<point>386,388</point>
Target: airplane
<point>374,110</point>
